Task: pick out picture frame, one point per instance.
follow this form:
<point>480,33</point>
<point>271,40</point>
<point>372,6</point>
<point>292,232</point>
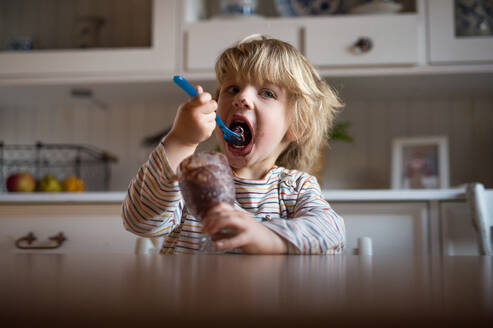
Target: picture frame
<point>420,163</point>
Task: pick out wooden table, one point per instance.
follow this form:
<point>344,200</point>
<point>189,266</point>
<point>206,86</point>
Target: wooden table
<point>248,291</point>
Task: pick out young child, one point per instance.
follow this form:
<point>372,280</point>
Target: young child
<point>266,87</point>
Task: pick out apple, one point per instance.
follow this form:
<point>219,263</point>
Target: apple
<point>21,182</point>
<point>49,184</point>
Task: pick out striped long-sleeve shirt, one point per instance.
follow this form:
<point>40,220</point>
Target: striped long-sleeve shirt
<point>288,202</point>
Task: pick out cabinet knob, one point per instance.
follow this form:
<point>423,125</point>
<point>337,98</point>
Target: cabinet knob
<point>362,45</point>
<point>30,238</point>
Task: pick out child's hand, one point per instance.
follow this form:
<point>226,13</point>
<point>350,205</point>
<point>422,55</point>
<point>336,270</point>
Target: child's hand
<point>195,120</point>
<point>251,236</point>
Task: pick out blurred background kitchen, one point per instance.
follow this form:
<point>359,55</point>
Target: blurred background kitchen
<point>92,80</point>
<point>97,73</point>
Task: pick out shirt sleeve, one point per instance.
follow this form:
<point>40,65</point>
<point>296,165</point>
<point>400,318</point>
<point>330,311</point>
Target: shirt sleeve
<point>314,227</point>
<point>153,205</point>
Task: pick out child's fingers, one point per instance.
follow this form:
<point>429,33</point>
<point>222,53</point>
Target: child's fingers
<point>209,218</point>
<point>199,89</point>
<point>204,97</point>
<point>216,211</point>
<point>202,105</point>
<point>221,221</point>
<point>219,208</point>
<point>208,107</point>
<point>212,222</point>
<point>237,241</point>
<point>202,114</point>
<point>210,118</point>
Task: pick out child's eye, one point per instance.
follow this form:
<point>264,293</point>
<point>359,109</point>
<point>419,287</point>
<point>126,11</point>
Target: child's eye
<point>233,89</point>
<point>267,94</point>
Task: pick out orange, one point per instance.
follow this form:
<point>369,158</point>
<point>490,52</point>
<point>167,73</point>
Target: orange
<point>73,184</point>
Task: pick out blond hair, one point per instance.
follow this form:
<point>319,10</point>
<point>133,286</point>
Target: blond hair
<point>312,101</point>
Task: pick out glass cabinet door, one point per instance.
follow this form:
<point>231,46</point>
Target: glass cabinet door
<point>70,39</point>
<point>473,18</point>
<point>74,24</point>
<point>460,31</point>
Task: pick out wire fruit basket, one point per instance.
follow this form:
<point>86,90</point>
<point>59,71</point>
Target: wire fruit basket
<point>88,163</point>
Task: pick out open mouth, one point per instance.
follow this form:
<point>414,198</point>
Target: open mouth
<point>244,130</point>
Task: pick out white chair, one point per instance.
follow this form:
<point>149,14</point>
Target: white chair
<point>148,245</point>
<point>365,247</point>
<point>481,206</point>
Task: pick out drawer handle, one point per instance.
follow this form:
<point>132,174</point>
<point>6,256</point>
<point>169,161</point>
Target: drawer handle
<point>362,45</point>
<point>30,237</point>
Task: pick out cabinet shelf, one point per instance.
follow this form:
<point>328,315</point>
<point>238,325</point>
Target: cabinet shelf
<point>209,10</point>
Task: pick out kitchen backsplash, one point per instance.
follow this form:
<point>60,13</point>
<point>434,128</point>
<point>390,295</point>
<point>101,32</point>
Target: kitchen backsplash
<point>364,163</point>
<point>116,129</point>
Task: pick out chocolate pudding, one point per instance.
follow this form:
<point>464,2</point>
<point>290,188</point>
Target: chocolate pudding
<point>205,179</point>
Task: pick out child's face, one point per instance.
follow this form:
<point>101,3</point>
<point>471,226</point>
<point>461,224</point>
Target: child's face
<point>262,111</point>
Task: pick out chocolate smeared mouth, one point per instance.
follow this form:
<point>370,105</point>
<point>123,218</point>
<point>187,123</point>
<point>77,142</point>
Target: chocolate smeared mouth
<point>243,129</point>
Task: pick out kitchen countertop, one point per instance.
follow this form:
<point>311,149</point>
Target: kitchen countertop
<point>343,195</point>
<point>126,290</point>
<point>63,197</point>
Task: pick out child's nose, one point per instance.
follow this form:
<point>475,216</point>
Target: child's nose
<point>241,101</point>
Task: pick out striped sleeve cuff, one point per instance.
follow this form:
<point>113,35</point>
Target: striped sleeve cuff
<point>168,171</point>
<point>280,229</point>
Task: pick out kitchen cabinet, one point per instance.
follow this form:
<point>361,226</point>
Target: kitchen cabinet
<point>407,222</point>
<point>399,222</point>
<point>412,42</point>
<point>340,40</point>
<point>448,43</point>
<point>395,228</point>
<point>206,40</point>
<point>118,63</point>
<point>87,227</point>
<point>362,41</point>
<point>410,228</point>
<point>184,40</point>
<point>458,235</point>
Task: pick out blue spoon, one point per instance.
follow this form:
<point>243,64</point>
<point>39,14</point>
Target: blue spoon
<point>229,136</point>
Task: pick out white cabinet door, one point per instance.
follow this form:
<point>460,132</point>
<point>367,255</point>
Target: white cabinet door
<point>395,228</point>
<point>458,235</point>
<point>205,41</point>
<point>89,228</point>
<point>85,63</point>
<point>340,41</point>
<point>445,46</point>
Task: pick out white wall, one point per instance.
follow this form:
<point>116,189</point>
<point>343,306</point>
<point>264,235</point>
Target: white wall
<point>47,114</point>
<point>366,163</point>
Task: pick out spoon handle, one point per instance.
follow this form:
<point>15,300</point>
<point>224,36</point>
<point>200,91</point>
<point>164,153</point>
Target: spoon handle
<point>187,87</point>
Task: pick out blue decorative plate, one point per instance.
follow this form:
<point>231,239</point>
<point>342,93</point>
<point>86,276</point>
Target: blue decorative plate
<point>293,8</point>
